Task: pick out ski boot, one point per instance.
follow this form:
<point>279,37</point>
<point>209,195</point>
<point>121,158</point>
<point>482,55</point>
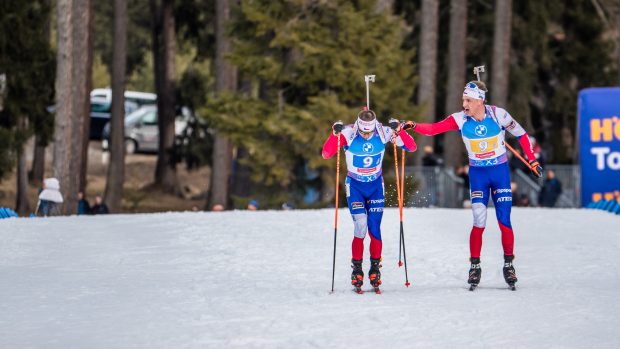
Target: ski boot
<point>357,275</point>
<point>374,274</point>
<point>474,273</point>
<point>509,272</point>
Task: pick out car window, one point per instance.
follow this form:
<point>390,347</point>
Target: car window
<point>150,118</point>
<point>99,107</point>
<point>130,107</point>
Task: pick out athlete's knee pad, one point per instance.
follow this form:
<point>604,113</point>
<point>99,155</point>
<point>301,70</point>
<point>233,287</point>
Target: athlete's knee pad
<point>360,221</point>
<point>480,214</point>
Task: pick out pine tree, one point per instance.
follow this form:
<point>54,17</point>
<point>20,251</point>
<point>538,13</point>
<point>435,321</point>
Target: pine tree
<point>28,64</point>
<point>307,62</point>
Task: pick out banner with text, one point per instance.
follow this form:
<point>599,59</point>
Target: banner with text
<point>599,134</point>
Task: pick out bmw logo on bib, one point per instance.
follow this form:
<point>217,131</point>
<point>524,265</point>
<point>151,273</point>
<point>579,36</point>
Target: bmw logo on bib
<point>367,147</point>
<point>480,130</point>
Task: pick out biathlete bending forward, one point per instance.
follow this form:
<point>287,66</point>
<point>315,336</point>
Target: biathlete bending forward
<point>364,145</point>
<point>482,128</point>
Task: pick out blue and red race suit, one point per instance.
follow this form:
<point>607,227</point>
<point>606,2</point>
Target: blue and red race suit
<point>364,183</point>
<point>489,174</point>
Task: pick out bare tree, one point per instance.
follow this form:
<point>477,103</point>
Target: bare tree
<point>457,48</point>
<point>22,204</point>
<point>82,66</point>
<point>428,65</point>
<point>116,169</point>
<point>87,7</point>
<point>225,80</point>
<point>37,170</point>
<point>63,133</point>
<point>501,52</point>
<point>164,49</point>
<point>609,13</point>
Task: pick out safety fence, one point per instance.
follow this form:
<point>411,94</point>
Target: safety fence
<point>442,187</point>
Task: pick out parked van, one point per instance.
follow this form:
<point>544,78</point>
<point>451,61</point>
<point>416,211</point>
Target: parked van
<point>100,114</point>
<point>142,131</point>
<point>140,98</point>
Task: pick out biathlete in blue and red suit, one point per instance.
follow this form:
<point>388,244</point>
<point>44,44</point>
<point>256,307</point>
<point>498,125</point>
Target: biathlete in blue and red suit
<point>482,128</point>
<point>364,145</point>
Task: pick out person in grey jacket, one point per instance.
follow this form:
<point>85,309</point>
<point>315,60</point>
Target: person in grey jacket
<point>50,199</point>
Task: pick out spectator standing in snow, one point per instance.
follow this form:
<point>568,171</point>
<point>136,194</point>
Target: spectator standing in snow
<point>463,173</point>
<point>430,158</point>
<point>550,191</point>
<point>50,198</point>
<point>100,207</point>
<point>83,205</point>
<point>253,205</point>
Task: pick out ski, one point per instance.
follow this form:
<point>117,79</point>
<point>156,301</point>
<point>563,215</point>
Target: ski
<point>358,290</point>
<point>473,287</point>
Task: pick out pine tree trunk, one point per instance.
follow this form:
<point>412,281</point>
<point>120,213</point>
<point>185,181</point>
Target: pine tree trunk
<point>22,205</point>
<point>428,67</point>
<point>88,88</point>
<point>81,91</point>
<point>38,163</point>
<point>116,169</point>
<point>225,80</point>
<point>37,171</point>
<point>165,171</point>
<point>63,132</point>
<point>501,52</point>
<point>453,143</point>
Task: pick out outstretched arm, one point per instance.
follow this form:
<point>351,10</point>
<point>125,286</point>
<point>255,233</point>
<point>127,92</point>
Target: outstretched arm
<point>445,125</point>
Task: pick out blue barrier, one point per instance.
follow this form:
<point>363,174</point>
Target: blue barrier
<point>611,206</point>
<point>7,213</point>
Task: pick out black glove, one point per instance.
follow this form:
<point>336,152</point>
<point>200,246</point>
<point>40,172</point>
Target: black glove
<point>337,127</point>
<point>409,125</point>
<point>536,169</point>
<point>394,124</point>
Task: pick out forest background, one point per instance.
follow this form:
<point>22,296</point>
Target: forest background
<point>266,79</point>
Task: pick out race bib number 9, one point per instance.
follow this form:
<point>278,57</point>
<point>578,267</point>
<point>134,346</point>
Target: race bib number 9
<point>483,145</point>
<point>366,161</point>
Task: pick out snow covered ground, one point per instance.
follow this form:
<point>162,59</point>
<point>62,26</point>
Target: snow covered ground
<point>262,280</point>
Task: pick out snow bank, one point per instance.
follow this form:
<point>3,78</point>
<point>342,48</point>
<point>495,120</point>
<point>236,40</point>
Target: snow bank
<point>262,280</point>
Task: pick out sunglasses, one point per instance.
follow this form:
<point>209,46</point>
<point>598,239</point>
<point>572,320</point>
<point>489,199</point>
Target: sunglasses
<point>471,85</point>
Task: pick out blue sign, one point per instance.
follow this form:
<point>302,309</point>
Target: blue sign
<point>599,134</point>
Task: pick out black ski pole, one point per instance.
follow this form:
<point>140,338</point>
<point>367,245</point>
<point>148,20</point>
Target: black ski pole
<point>336,213</point>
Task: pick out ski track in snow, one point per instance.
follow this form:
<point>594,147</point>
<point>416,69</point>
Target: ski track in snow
<point>246,279</point>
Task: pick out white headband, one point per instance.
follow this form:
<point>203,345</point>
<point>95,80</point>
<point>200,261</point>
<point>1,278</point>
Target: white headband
<point>474,93</point>
<point>366,126</point>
